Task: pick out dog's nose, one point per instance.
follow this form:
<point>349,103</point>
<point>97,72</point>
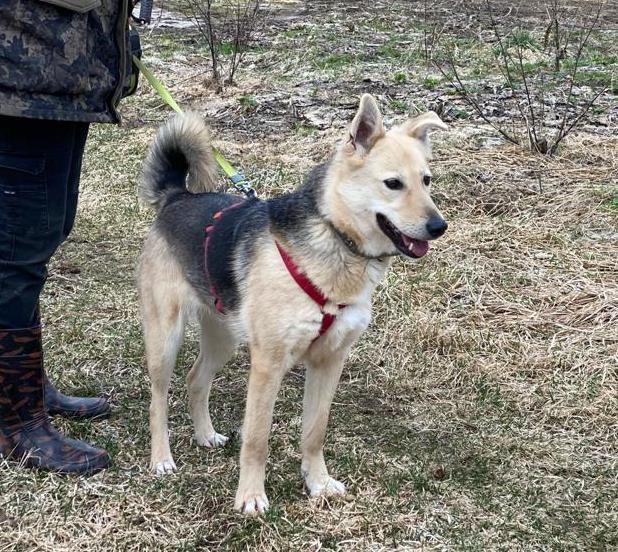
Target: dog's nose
<point>436,226</point>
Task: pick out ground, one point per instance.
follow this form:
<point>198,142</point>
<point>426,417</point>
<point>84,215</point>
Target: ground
<point>479,411</point>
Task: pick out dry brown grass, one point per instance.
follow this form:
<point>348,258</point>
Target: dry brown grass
<point>478,412</point>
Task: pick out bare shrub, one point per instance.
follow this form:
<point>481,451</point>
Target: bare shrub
<point>227,27</point>
<point>546,105</point>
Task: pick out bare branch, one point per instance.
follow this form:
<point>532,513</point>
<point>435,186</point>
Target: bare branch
<point>467,95</point>
<point>576,121</point>
<point>578,56</point>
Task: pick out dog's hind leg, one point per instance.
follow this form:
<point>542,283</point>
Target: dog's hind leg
<point>163,333</point>
<point>217,345</point>
<point>320,384</point>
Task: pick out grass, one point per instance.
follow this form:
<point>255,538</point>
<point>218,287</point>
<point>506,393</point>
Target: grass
<point>247,102</point>
<point>431,82</point>
<point>298,32</point>
<point>390,51</point>
<point>520,39</point>
<point>306,130</point>
<point>398,106</point>
<point>479,410</point>
<point>598,79</point>
<point>333,61</point>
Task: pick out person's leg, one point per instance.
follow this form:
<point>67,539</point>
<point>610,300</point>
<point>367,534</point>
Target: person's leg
<point>79,144</point>
<point>65,207</point>
<point>35,166</point>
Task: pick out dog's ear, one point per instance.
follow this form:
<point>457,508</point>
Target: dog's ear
<point>367,125</point>
<point>421,125</point>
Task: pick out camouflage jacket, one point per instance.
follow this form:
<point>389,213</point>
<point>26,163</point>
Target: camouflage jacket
<point>59,64</point>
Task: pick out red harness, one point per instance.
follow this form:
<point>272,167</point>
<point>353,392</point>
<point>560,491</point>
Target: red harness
<point>309,288</point>
<point>301,279</point>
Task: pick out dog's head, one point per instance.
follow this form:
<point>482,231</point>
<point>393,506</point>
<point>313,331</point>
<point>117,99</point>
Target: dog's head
<point>378,186</point>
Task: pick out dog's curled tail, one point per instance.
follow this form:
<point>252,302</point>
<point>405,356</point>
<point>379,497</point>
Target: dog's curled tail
<point>180,158</point>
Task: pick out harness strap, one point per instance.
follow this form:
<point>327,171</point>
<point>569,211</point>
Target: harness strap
<point>309,288</point>
<point>305,283</point>
<point>208,231</point>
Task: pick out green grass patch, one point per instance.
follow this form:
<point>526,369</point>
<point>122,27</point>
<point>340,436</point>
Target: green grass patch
<point>599,57</point>
<point>391,50</point>
<point>431,83</point>
<point>298,32</point>
<point>248,103</point>
<point>303,129</point>
<point>598,79</point>
<point>334,61</point>
<point>398,106</point>
<point>521,38</point>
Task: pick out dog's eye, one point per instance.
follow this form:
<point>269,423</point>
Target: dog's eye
<point>427,180</point>
<point>393,184</point>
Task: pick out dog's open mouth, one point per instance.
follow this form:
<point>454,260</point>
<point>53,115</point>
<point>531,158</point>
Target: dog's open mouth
<point>407,245</point>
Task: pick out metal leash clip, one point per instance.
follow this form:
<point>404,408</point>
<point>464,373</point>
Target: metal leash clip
<point>240,183</point>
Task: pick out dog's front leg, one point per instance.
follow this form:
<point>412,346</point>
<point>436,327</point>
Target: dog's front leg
<point>320,384</point>
<point>267,371</point>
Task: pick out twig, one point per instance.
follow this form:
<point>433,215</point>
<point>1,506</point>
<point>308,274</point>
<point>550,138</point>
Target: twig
<point>562,133</point>
<point>465,93</point>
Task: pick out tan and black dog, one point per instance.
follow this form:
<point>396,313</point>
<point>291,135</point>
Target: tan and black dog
<point>292,276</point>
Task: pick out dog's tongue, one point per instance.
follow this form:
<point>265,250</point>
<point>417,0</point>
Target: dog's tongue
<point>417,248</point>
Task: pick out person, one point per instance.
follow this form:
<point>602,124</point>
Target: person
<point>65,64</point>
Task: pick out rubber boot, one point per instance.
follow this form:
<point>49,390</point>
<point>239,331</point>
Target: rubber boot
<point>26,433</point>
<point>59,404</point>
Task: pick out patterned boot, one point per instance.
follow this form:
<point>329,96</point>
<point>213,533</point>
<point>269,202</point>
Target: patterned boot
<point>58,403</point>
<point>25,431</point>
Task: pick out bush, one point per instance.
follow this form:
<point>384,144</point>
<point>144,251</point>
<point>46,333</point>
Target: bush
<point>537,79</point>
<point>227,27</point>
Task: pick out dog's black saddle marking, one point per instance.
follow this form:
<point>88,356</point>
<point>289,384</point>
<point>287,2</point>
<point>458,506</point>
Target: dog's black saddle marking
<point>182,222</point>
<point>227,233</point>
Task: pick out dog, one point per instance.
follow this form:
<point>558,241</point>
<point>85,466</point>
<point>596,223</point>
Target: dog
<point>291,276</point>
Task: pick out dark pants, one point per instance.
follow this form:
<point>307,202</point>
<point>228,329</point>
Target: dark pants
<point>40,164</point>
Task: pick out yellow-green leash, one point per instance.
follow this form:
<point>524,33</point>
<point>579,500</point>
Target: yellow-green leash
<point>237,177</point>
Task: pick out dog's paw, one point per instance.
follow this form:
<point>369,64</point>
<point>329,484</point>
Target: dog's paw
<point>326,486</point>
<point>164,467</point>
<point>214,440</point>
<point>251,503</point>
